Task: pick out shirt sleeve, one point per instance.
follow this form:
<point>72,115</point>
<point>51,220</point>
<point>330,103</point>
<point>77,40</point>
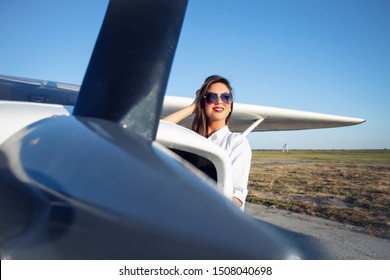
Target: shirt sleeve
<point>241,155</point>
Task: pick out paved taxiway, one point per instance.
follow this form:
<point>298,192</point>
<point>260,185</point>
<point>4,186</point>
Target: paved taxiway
<point>318,238</point>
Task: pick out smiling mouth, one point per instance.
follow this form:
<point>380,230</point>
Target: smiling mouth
<point>218,109</point>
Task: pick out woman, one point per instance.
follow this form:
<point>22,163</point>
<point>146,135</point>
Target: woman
<point>213,107</point>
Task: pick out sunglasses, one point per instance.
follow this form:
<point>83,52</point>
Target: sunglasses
<point>212,97</point>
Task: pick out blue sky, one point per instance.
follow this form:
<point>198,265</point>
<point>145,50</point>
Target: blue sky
<point>326,56</point>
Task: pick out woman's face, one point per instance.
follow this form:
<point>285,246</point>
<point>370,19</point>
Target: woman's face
<point>218,110</point>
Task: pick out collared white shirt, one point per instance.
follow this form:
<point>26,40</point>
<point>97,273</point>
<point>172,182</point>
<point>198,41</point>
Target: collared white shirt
<point>240,153</point>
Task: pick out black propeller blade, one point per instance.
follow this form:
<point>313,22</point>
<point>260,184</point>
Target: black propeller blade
<point>128,73</point>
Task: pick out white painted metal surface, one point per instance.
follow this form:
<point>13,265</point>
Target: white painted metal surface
<point>16,115</point>
<point>274,119</point>
<point>177,137</point>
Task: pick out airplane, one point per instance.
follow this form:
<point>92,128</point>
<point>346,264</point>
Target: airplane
<point>38,99</point>
<point>91,172</point>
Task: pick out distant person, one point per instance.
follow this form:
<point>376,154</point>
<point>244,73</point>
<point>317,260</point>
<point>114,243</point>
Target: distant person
<point>285,148</point>
<point>213,107</point>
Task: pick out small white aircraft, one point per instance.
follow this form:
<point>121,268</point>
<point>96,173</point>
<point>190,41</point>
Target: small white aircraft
<point>88,172</point>
<point>15,115</point>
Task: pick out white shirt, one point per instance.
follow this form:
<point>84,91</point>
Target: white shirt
<point>240,153</point>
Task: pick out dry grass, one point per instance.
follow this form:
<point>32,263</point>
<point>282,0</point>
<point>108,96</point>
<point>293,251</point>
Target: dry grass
<point>351,187</point>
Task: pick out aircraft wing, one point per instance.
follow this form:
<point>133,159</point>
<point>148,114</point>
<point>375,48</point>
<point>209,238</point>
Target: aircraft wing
<point>247,118</point>
<point>39,91</point>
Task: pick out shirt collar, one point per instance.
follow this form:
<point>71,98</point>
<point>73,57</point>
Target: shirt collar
<point>219,133</point>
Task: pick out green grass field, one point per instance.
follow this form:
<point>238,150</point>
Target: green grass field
<point>349,186</point>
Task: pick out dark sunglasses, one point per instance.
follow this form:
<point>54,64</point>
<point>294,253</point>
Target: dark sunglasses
<point>212,97</point>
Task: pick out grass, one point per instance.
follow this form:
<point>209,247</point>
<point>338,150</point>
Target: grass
<point>348,186</point>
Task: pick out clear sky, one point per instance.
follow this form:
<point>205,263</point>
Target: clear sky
<point>326,56</point>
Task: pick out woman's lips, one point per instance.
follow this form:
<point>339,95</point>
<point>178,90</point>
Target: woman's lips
<point>218,109</point>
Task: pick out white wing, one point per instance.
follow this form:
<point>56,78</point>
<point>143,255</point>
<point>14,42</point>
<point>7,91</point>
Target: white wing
<point>247,118</point>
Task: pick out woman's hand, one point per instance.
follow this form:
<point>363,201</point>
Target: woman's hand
<point>236,201</point>
<point>180,115</point>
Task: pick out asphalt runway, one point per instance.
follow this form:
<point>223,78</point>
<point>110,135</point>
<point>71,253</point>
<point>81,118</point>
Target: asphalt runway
<point>318,238</point>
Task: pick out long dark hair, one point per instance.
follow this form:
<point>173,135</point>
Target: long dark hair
<point>200,122</point>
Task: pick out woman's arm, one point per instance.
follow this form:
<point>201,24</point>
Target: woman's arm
<point>241,161</point>
<point>180,115</point>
